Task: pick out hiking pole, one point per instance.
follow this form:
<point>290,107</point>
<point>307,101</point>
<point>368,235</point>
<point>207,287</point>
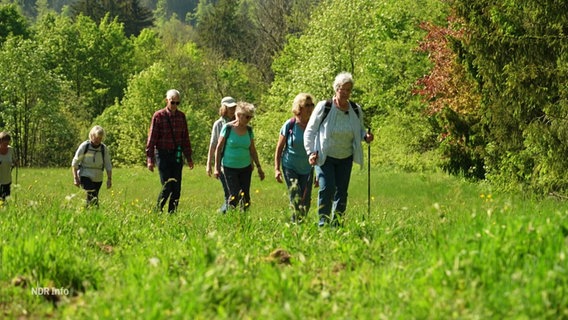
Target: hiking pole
<point>368,176</point>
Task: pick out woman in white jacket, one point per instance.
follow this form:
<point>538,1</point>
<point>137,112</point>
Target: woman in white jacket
<point>332,140</point>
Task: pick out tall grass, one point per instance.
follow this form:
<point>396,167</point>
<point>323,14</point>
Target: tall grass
<point>433,247</point>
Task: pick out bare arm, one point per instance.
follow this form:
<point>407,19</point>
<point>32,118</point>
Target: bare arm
<point>218,149</point>
<point>278,157</point>
<point>254,156</point>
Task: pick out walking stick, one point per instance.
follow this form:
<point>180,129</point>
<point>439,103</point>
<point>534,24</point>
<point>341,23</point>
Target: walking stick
<point>368,176</point>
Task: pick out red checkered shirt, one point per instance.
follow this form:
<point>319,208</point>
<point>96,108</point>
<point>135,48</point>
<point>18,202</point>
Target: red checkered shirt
<point>160,135</point>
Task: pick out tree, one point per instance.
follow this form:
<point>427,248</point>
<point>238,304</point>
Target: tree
<point>96,59</point>
<point>30,98</point>
<point>12,23</point>
<point>129,12</point>
<point>516,51</point>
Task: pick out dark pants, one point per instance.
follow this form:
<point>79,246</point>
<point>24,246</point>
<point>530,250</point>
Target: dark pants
<point>238,182</point>
<point>300,190</point>
<point>226,193</point>
<point>92,189</point>
<point>333,178</point>
<point>170,177</point>
<point>4,191</point>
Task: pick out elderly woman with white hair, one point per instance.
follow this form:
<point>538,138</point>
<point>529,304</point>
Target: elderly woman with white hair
<point>91,159</point>
<point>332,140</point>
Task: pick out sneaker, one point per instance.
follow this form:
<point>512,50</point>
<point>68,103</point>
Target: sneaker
<point>321,222</point>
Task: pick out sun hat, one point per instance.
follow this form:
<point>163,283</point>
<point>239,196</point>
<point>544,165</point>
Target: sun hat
<point>229,102</point>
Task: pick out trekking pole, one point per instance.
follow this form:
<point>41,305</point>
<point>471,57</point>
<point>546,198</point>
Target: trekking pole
<point>368,176</point>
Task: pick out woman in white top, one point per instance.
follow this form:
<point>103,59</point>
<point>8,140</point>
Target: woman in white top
<point>332,140</point>
<point>227,113</point>
<point>91,160</point>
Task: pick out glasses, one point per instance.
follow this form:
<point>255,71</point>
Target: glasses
<point>175,103</point>
<point>247,116</point>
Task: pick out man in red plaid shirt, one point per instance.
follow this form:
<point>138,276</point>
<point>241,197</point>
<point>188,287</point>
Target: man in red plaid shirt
<point>168,139</point>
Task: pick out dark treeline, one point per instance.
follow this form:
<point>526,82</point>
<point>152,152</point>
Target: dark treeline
<point>473,87</point>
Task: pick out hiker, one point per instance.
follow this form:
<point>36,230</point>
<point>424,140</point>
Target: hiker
<point>227,113</point>
<point>91,159</point>
<point>7,163</point>
<point>291,160</point>
<point>168,141</point>
<point>235,154</point>
<point>333,142</point>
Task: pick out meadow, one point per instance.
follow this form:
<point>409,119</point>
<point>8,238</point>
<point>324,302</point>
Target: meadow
<point>432,247</point>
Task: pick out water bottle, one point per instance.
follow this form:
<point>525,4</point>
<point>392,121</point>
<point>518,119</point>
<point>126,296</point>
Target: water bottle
<point>178,154</point>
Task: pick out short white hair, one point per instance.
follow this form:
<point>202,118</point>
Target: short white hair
<point>341,79</point>
<point>172,93</point>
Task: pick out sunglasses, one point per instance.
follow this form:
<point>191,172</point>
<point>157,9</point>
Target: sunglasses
<point>175,103</point>
<point>248,117</point>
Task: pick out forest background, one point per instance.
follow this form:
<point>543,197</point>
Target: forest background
<point>474,87</point>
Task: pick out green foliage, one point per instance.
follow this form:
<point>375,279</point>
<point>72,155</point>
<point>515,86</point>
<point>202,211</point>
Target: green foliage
<point>96,59</point>
<point>30,100</point>
<point>373,40</point>
<point>516,53</point>
<point>130,13</point>
<point>12,22</point>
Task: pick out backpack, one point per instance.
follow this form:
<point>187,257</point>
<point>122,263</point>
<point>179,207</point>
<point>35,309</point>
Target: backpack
<point>327,108</point>
<point>228,132</point>
<point>289,131</point>
<point>102,151</point>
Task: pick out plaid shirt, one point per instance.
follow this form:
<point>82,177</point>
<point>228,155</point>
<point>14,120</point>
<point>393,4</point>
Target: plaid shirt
<point>160,135</point>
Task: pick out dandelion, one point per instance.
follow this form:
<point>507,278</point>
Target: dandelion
<point>372,198</point>
<point>257,191</point>
<point>482,196</point>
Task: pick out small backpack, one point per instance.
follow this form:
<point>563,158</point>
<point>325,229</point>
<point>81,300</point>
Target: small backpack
<point>102,151</point>
<point>327,108</point>
<point>289,131</point>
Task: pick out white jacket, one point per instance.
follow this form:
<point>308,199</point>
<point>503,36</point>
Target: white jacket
<point>316,136</point>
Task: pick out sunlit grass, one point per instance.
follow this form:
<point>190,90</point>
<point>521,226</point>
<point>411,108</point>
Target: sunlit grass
<point>431,247</point>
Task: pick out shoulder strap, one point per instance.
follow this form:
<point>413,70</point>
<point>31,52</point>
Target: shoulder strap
<point>88,144</point>
<point>327,108</point>
<point>289,131</point>
<point>249,129</point>
<point>355,108</point>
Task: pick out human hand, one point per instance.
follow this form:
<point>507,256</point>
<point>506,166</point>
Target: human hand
<point>76,181</point>
<point>109,183</point>
<point>217,173</point>
<point>190,164</point>
<point>278,175</point>
<point>313,159</point>
<point>151,166</point>
<point>260,173</point>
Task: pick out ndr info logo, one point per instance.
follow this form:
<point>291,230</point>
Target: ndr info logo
<point>46,291</point>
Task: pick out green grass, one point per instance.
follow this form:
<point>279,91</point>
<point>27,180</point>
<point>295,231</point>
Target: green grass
<point>433,247</point>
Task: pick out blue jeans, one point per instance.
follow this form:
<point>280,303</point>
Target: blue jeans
<point>238,181</point>
<point>333,178</point>
<point>300,190</point>
<point>170,177</point>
